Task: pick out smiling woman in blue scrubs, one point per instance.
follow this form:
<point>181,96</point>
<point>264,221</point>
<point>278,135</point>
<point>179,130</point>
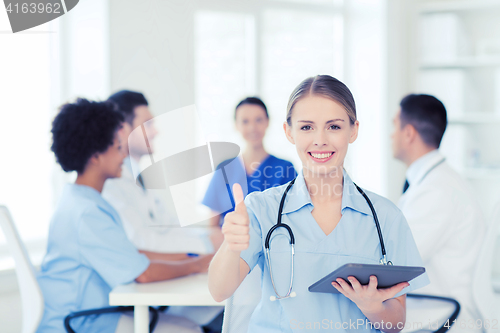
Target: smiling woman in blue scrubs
<point>88,252</point>
<point>332,225</point>
<point>257,169</point>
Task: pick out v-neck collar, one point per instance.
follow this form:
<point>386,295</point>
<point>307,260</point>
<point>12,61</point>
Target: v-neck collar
<point>264,161</point>
<point>298,196</point>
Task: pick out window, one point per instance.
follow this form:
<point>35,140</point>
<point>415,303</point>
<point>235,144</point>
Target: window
<point>263,48</point>
<point>27,107</point>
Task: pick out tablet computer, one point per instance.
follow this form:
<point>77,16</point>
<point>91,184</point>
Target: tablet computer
<point>387,276</point>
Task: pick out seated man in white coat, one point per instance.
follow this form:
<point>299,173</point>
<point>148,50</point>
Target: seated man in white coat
<point>445,219</point>
<point>148,223</point>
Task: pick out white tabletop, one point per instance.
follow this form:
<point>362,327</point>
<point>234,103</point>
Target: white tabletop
<point>191,290</point>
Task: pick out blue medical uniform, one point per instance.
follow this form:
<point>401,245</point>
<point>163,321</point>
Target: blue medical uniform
<point>354,240</point>
<point>88,254</point>
<point>271,172</point>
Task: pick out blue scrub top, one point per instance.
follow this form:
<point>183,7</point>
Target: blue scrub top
<point>88,254</point>
<point>271,172</point>
<point>354,240</point>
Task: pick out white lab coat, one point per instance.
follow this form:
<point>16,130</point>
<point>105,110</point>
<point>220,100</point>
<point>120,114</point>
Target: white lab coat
<point>448,228</point>
<point>146,220</point>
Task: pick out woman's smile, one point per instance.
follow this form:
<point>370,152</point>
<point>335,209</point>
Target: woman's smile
<point>321,156</point>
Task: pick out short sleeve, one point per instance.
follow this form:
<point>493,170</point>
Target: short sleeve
<point>216,198</point>
<point>105,247</point>
<point>402,251</point>
<point>253,254</point>
<point>219,196</point>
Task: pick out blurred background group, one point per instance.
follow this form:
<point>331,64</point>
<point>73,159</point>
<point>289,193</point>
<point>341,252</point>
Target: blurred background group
<point>214,53</point>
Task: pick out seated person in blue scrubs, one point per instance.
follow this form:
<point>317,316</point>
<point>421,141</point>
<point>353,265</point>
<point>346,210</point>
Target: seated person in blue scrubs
<point>332,225</point>
<point>88,253</point>
<point>258,169</point>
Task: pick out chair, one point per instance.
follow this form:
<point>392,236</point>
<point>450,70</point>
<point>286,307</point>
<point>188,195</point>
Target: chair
<point>111,309</point>
<point>240,306</point>
<point>443,309</point>
<point>31,295</point>
<point>486,301</point>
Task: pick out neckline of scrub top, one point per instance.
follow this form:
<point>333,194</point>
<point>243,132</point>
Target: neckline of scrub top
<point>260,165</point>
<point>419,168</point>
<point>92,192</point>
<point>298,196</point>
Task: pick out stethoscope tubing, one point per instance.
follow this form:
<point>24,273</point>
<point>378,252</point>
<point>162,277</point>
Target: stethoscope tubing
<point>279,224</point>
<point>377,224</point>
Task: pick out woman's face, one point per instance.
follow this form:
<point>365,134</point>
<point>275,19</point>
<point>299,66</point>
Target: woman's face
<point>321,131</point>
<point>110,161</point>
<point>251,122</point>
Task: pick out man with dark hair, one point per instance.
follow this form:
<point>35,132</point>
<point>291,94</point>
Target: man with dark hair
<point>88,253</point>
<point>445,218</point>
<point>148,223</point>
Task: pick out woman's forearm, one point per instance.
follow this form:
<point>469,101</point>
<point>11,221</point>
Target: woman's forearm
<point>224,273</point>
<point>227,269</point>
<point>165,256</point>
<point>159,270</point>
<point>390,318</point>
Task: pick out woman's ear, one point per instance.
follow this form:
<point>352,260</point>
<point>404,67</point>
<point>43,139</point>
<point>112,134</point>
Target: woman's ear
<point>354,132</point>
<point>288,132</point>
<point>94,159</point>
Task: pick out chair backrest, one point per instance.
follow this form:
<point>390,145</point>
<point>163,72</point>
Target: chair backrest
<point>31,295</point>
<point>240,306</point>
<point>482,286</point>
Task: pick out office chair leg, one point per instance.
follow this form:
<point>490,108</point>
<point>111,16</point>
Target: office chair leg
<point>453,316</point>
<point>154,319</point>
<point>215,326</point>
<point>114,309</point>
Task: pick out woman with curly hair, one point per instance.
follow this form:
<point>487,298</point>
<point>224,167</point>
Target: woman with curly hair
<point>88,252</point>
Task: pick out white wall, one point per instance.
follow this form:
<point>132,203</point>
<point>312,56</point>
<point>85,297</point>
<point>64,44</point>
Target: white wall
<point>365,75</point>
<point>151,51</point>
<point>398,59</point>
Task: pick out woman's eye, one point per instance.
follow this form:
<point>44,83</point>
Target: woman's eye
<point>305,128</point>
<point>335,127</point>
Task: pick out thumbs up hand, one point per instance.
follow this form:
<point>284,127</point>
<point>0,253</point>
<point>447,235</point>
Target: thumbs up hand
<point>236,224</point>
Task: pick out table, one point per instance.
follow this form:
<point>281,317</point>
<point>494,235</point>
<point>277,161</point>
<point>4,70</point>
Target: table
<point>191,290</point>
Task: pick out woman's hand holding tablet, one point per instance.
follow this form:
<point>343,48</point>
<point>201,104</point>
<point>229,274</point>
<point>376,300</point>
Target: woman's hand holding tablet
<point>368,285</point>
<point>368,297</point>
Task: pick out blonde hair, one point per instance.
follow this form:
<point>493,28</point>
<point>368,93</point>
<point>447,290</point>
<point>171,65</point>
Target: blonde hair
<point>326,86</point>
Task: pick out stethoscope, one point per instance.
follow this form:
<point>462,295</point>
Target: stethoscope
<point>290,293</point>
